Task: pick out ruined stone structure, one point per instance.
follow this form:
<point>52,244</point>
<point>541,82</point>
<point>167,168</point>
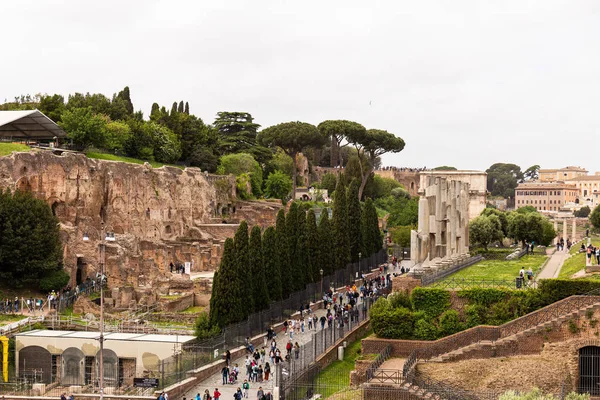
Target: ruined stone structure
<point>442,238</point>
<point>410,179</point>
<point>158,215</point>
<point>477,180</point>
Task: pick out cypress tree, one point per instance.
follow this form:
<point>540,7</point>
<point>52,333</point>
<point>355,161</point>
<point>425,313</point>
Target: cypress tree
<point>180,107</point>
<point>341,240</point>
<point>326,253</point>
<point>312,247</point>
<point>187,108</point>
<point>155,109</point>
<point>300,260</point>
<point>354,221</point>
<point>370,227</point>
<point>283,254</point>
<point>242,259</point>
<point>257,271</point>
<point>226,303</point>
<point>272,264</point>
<point>173,109</point>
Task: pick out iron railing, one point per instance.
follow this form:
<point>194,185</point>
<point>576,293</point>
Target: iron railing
<point>468,283</point>
<point>428,279</point>
<point>381,357</point>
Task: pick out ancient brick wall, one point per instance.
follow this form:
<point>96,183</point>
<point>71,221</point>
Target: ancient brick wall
<point>158,215</point>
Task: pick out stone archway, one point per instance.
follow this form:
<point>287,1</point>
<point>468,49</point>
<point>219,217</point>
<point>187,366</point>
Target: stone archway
<point>72,367</point>
<point>36,358</point>
<point>111,367</point>
<point>589,370</point>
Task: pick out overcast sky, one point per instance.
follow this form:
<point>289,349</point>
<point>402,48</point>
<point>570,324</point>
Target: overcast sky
<point>464,83</point>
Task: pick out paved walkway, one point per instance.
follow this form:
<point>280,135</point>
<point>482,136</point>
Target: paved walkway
<point>552,268</point>
<point>227,391</point>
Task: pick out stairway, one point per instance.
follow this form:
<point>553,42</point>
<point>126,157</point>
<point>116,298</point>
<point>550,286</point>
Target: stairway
<point>471,350</point>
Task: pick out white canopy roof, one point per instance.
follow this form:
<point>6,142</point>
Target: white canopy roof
<point>28,124</point>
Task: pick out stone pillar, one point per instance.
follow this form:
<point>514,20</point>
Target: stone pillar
<point>565,229</point>
<point>574,229</point>
<point>556,230</point>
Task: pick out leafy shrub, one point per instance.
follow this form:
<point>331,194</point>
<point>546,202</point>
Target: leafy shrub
<point>389,322</point>
<point>450,323</point>
<point>55,281</point>
<point>203,329</point>
<point>400,299</point>
<point>432,301</point>
<point>484,297</point>
<point>425,330</point>
<point>475,315</point>
<point>552,290</point>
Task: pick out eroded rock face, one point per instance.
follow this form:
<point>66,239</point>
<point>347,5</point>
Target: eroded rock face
<point>158,215</point>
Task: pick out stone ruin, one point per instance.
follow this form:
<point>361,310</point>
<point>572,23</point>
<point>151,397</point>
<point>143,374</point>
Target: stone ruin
<point>442,238</point>
<point>158,216</point>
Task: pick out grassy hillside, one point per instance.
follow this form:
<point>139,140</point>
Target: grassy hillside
<point>7,148</point>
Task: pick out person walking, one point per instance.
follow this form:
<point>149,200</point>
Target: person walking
<point>267,371</point>
<point>225,374</point>
<point>216,394</point>
<point>246,387</point>
<point>260,394</point>
<point>198,397</point>
<point>206,395</point>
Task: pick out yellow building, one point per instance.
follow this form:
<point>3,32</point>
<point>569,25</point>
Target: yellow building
<point>545,196</point>
<point>589,188</point>
<point>561,174</point>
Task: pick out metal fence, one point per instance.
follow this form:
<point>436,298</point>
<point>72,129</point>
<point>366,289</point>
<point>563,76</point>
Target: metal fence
<point>441,274</point>
<point>469,283</point>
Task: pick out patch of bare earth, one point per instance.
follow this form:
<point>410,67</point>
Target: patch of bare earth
<point>518,373</point>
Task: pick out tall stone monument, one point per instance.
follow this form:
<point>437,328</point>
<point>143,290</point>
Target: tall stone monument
<point>442,237</point>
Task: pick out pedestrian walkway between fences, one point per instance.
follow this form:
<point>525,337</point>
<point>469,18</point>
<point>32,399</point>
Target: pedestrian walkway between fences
<point>553,266</point>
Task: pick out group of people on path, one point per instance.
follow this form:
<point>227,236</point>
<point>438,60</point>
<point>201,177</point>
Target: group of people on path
<point>240,393</point>
<point>593,253</point>
<point>560,244</point>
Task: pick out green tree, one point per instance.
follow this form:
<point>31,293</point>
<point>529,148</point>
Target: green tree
<point>53,106</point>
<point>326,249</point>
<point>166,146</point>
<point>401,235</point>
<point>173,109</point>
<point>484,230</point>
<point>328,182</point>
<point>502,216</point>
<point>354,222</point>
<point>312,247</point>
<point>532,173</point>
<point>299,272</point>
<point>242,163</point>
<point>583,212</point>
<point>117,134</point>
<point>444,168</point>
<point>341,241</point>
<point>180,107</point>
<point>526,227</point>
<point>382,187</point>
<point>338,130</point>
<point>84,127</point>
<point>125,96</point>
<point>292,138</point>
<point>227,304</point>
<point>242,260</point>
<point>155,110</point>
<point>237,134</point>
<point>186,108</point>
<point>257,271</point>
<point>283,255</point>
<point>30,248</point>
<point>595,218</point>
<point>370,224</point>
<point>403,212</point>
<point>278,186</point>
<point>292,232</point>
<point>272,264</point>
<point>370,146</point>
<point>502,179</point>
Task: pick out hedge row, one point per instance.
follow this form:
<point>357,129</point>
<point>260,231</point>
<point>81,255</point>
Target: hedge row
<point>427,313</point>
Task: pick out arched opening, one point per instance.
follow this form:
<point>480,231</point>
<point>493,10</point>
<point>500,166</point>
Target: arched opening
<point>589,370</point>
<point>111,367</point>
<point>79,274</point>
<point>35,359</point>
<point>412,186</point>
<point>72,367</point>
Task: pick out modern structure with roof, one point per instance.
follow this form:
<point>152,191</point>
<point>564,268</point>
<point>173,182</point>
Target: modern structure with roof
<point>28,126</point>
<point>71,358</point>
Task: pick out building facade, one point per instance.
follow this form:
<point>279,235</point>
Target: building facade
<point>589,188</point>
<point>550,196</point>
<point>561,174</point>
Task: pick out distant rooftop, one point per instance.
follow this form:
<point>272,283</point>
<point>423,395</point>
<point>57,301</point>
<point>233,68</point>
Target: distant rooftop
<point>28,125</point>
<point>569,168</point>
<point>134,337</point>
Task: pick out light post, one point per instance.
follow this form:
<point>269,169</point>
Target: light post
<point>103,238</point>
<point>360,263</point>
<point>321,272</point>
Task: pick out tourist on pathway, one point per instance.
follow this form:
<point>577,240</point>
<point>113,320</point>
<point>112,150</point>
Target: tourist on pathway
<point>216,394</point>
<point>267,371</point>
<point>228,357</point>
<point>238,394</point>
<point>206,395</point>
<point>198,397</point>
<point>246,387</point>
<point>225,374</point>
<point>260,394</point>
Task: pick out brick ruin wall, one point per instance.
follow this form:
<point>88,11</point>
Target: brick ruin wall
<point>158,215</point>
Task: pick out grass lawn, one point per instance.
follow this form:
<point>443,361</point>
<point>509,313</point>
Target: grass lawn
<point>500,269</point>
<point>7,148</point>
<point>8,318</point>
<point>114,157</point>
<point>336,377</point>
<point>577,260</point>
<point>193,310</point>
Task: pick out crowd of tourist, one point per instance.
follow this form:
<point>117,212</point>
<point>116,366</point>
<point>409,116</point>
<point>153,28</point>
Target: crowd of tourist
<point>403,169</point>
<point>593,253</point>
<point>560,244</point>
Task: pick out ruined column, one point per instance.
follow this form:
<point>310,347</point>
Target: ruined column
<point>565,229</point>
<point>556,230</point>
<point>574,229</point>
